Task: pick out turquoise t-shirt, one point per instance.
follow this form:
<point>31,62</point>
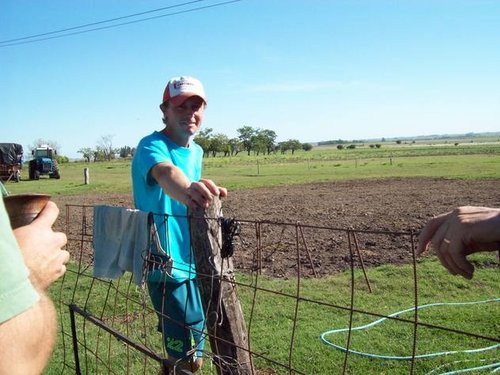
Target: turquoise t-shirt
<point>16,292</point>
<point>173,228</point>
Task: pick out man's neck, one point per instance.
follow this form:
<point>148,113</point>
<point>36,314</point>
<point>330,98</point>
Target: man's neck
<point>179,140</point>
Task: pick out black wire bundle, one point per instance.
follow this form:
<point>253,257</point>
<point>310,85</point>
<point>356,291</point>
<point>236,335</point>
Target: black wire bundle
<point>231,228</point>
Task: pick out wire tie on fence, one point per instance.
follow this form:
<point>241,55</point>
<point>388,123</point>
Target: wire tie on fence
<point>231,228</point>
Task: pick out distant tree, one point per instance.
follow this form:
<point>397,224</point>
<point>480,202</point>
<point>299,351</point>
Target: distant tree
<point>105,150</point>
<point>291,144</point>
<point>87,153</point>
<point>307,146</point>
<point>268,138</point>
<point>378,145</point>
<point>247,137</point>
<point>219,143</point>
<point>340,147</point>
<point>284,147</point>
<point>398,142</point>
<point>125,152</point>
<point>259,143</point>
<point>352,147</point>
<point>263,141</point>
<point>99,155</point>
<point>204,139</point>
<point>235,146</point>
<point>372,146</point>
<point>62,159</point>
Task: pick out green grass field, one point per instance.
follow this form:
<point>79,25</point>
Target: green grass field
<point>274,315</point>
<point>472,161</point>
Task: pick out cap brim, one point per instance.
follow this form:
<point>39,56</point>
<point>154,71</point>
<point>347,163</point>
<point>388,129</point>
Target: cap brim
<point>179,99</point>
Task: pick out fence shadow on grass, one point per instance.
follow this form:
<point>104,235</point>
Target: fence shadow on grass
<point>301,317</point>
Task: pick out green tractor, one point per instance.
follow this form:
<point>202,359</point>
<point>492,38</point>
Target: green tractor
<point>43,163</point>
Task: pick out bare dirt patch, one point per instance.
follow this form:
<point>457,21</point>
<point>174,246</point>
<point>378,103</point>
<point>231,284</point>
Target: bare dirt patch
<point>383,205</point>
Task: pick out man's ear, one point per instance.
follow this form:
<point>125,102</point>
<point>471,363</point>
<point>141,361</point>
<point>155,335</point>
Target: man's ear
<point>163,108</point>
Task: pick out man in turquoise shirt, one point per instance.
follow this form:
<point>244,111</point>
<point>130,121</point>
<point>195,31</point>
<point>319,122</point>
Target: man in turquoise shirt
<point>166,179</point>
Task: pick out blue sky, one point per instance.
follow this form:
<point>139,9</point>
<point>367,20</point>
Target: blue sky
<point>311,70</point>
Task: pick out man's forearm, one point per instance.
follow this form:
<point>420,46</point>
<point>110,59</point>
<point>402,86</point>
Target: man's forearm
<point>33,332</point>
<point>172,180</point>
<point>177,186</point>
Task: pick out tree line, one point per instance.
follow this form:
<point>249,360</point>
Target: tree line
<point>250,140</point>
<point>105,151</point>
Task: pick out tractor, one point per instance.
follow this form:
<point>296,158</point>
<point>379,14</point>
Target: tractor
<point>43,163</point>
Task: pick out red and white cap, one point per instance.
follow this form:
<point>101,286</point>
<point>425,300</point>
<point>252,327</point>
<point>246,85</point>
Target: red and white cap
<point>181,88</point>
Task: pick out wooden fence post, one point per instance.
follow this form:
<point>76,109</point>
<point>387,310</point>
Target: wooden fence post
<point>225,322</point>
<point>86,176</point>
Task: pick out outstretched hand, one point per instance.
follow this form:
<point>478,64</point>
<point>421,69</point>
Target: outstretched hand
<point>461,232</point>
<point>41,248</point>
<point>202,193</point>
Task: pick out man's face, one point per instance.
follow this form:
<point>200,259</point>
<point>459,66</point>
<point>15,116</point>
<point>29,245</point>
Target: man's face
<point>185,120</point>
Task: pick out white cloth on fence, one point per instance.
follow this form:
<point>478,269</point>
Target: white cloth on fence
<point>121,241</point>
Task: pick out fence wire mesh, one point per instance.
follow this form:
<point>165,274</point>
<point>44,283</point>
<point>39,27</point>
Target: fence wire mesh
<point>300,318</point>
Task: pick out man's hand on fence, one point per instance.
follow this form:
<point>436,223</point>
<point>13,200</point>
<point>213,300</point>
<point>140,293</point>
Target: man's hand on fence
<point>202,193</point>
<point>459,233</point>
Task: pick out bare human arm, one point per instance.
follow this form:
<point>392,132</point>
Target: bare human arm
<point>177,186</point>
<point>27,339</point>
<point>461,232</point>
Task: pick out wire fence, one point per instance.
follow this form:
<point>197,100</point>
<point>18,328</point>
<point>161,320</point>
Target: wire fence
<point>300,318</point>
